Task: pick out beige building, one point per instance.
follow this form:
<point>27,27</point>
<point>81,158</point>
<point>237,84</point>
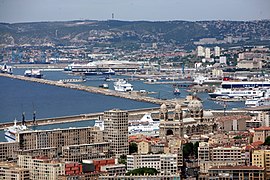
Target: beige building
<point>143,147</point>
<point>200,51</point>
<point>261,133</point>
<point>116,131</point>
<point>76,153</point>
<point>249,64</point>
<point>59,137</point>
<point>207,53</point>
<point>11,171</point>
<point>233,123</point>
<point>217,51</point>
<point>261,158</point>
<point>41,169</point>
<point>8,150</point>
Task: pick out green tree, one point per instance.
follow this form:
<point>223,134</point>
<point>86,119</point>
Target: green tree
<point>142,171</point>
<point>267,141</point>
<point>195,149</point>
<point>122,159</point>
<point>133,148</point>
<point>187,150</point>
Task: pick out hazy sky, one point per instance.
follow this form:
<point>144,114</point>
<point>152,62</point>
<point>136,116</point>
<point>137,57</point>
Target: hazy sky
<point>154,10</point>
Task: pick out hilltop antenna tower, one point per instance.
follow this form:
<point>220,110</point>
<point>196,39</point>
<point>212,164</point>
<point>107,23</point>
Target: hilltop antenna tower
<point>112,16</point>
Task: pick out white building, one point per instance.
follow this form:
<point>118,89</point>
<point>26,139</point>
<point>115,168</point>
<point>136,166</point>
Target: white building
<point>164,163</point>
<point>217,51</point>
<point>200,51</point>
<point>223,60</point>
<point>207,53</point>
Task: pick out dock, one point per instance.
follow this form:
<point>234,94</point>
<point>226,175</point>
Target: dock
<point>91,89</point>
<point>133,114</point>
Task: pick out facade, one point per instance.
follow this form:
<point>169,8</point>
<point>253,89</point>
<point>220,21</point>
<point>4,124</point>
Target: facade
<point>148,177</point>
<point>261,158</point>
<point>261,133</point>
<point>8,150</point>
<point>249,64</point>
<point>12,171</point>
<point>207,53</point>
<point>116,131</point>
<point>143,147</point>
<point>236,172</point>
<point>77,153</point>
<point>217,51</point>
<point>164,163</point>
<point>194,121</point>
<point>114,169</point>
<point>203,152</point>
<point>41,168</point>
<point>58,138</point>
<point>200,51</point>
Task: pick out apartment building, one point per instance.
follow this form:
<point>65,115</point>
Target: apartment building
<point>12,171</point>
<point>8,150</point>
<point>236,172</point>
<point>77,153</point>
<point>261,133</point>
<point>59,137</point>
<point>164,163</point>
<point>116,131</point>
<point>41,168</point>
<point>261,158</point>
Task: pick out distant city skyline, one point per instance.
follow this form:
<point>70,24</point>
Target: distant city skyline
<point>12,11</point>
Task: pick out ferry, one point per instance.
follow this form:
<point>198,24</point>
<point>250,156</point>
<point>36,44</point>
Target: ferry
<point>79,67</point>
<point>206,80</point>
<point>146,125</point>
<point>259,101</point>
<point>245,84</point>
<point>123,86</point>
<point>236,93</point>
<point>36,73</point>
<point>99,72</point>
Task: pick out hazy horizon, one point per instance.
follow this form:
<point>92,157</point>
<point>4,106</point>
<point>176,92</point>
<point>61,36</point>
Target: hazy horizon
<point>20,11</point>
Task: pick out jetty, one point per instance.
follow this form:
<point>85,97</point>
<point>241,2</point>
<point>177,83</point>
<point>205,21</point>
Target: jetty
<point>91,89</point>
<point>134,114</point>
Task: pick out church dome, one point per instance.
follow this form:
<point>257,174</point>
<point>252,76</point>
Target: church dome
<point>208,114</point>
<point>195,104</point>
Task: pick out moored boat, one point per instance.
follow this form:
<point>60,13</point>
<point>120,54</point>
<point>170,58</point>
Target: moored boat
<point>123,86</point>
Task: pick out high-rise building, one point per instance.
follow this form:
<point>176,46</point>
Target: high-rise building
<point>207,53</point>
<point>261,158</point>
<point>12,171</point>
<point>200,51</point>
<point>116,131</point>
<point>217,51</point>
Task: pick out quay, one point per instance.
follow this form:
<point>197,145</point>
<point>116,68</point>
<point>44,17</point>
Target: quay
<point>133,115</point>
<point>91,89</point>
<point>169,82</point>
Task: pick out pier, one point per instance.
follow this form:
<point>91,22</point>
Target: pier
<point>91,89</point>
<point>133,115</point>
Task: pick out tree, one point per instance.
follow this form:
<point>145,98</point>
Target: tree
<point>142,171</point>
<point>195,149</point>
<point>122,159</point>
<point>187,150</point>
<point>133,148</point>
<point>267,141</point>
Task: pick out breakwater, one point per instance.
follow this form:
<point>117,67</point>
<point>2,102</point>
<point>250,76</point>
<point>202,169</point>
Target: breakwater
<point>91,89</point>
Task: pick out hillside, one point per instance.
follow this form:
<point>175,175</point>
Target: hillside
<point>108,32</point>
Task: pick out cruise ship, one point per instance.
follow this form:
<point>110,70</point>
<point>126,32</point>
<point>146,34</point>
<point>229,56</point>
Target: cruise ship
<point>146,125</point>
<point>236,93</point>
<point>123,86</point>
<point>99,72</point>
<point>244,84</point>
<point>36,73</point>
<point>259,101</point>
<point>11,132</point>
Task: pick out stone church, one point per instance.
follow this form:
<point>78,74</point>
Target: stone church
<point>182,123</point>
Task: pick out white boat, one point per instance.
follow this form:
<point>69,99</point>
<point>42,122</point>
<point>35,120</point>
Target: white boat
<point>206,80</point>
<point>11,132</point>
<point>79,67</point>
<point>36,73</point>
<point>123,86</point>
<point>237,93</point>
<point>6,69</point>
<point>245,84</point>
<point>259,101</point>
<point>146,125</point>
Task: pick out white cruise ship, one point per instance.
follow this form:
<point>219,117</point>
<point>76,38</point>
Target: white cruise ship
<point>146,126</point>
<point>123,86</point>
<point>259,101</point>
<point>11,132</point>
<point>236,93</point>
